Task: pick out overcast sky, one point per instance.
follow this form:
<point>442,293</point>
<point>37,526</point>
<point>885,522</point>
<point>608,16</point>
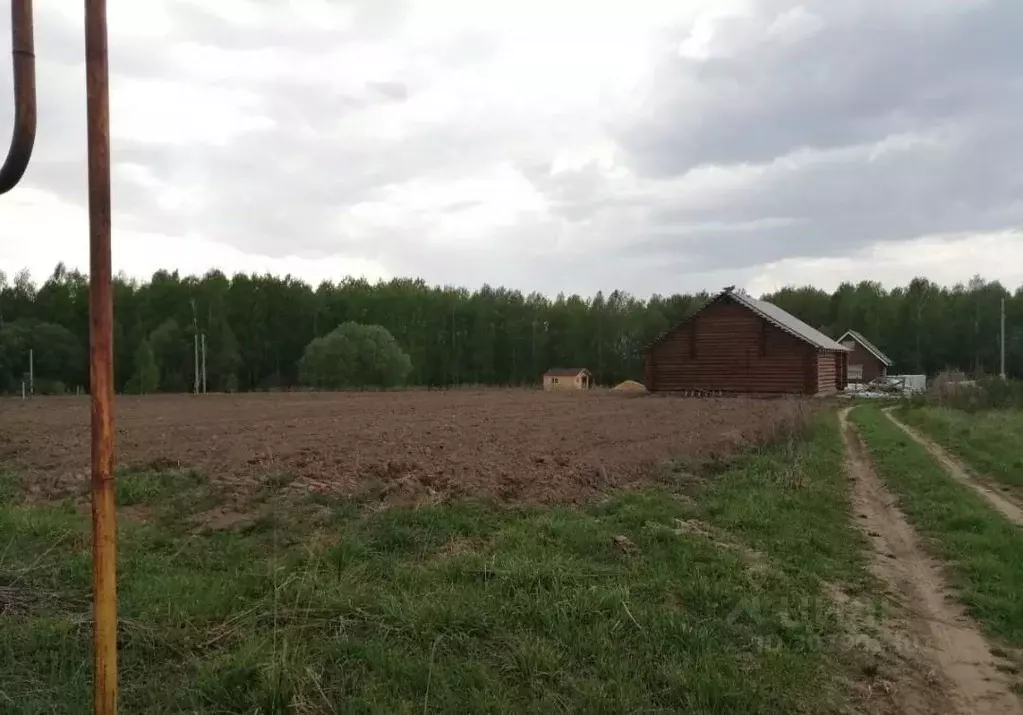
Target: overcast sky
<point>555,145</point>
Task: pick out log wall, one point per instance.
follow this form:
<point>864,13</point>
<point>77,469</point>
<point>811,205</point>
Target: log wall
<point>870,366</point>
<point>827,372</point>
<point>727,348</point>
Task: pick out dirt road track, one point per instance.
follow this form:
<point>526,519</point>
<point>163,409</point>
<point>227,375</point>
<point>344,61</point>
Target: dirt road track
<point>937,636</point>
<point>1009,509</point>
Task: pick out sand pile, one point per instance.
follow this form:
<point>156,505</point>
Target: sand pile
<point>629,386</point>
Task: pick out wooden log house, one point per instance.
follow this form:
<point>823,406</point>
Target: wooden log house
<point>736,344</point>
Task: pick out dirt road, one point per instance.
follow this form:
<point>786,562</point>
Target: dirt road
<point>1008,508</point>
<point>949,665</point>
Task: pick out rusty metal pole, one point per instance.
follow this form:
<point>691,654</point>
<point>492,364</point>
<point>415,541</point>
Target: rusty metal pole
<point>101,363</point>
<point>23,139</point>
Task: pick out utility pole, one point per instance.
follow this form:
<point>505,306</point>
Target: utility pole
<point>101,362</point>
<point>101,353</point>
<point>204,363</point>
<point>1003,339</point>
<point>195,347</point>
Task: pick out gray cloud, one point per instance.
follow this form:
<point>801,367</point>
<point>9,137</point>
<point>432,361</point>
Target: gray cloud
<point>866,73</point>
<point>951,77</point>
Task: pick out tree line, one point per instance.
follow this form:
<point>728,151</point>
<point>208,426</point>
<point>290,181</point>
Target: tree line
<point>257,328</point>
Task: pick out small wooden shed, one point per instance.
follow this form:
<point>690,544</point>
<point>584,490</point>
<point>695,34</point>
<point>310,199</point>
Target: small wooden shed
<point>567,378</point>
<point>866,362</point>
<point>740,345</point>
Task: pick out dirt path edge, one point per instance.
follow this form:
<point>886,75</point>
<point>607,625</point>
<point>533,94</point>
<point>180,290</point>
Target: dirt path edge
<point>951,667</point>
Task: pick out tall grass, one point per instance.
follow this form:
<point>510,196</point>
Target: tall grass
<point>989,393</point>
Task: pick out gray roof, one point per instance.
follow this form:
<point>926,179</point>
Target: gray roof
<point>869,346</point>
<point>787,322</point>
<point>772,314</point>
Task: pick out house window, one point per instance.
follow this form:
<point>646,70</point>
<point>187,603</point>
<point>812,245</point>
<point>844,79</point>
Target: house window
<point>555,380</point>
<point>855,372</point>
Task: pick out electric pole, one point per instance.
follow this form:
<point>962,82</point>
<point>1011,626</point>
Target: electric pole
<point>1003,339</point>
<point>195,347</point>
<point>204,363</point>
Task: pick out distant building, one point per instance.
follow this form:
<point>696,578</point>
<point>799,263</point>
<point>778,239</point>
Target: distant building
<point>567,378</point>
<point>866,362</point>
<point>738,344</point>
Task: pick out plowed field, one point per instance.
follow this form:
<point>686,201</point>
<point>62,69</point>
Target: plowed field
<point>513,445</point>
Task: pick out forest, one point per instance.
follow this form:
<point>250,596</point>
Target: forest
<point>256,327</point>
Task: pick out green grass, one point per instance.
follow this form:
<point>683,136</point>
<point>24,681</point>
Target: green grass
<point>982,548</point>
<point>988,441</point>
<point>334,606</point>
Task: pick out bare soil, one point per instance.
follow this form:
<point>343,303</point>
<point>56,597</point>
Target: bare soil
<point>512,445</point>
<point>948,666</point>
<point>1008,507</point>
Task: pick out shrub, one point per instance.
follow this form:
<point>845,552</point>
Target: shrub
<point>354,355</point>
<point>987,393</point>
<point>49,387</point>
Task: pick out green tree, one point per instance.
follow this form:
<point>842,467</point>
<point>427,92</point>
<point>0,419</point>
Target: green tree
<point>354,355</point>
<point>258,326</point>
<point>59,358</point>
<point>225,360</point>
<point>15,342</point>
<point>146,379</point>
<point>173,350</point>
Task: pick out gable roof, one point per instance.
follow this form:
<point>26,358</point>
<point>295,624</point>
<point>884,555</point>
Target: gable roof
<point>868,346</point>
<point>565,371</point>
<point>772,314</point>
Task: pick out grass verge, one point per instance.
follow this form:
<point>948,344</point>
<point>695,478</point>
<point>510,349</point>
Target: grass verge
<point>981,547</point>
<point>988,441</point>
<point>706,596</point>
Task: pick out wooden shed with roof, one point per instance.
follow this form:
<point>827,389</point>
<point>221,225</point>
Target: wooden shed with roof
<point>567,378</point>
<point>737,344</point>
<point>866,361</point>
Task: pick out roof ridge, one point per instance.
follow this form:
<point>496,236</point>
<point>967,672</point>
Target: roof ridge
<point>770,312</point>
<point>869,346</point>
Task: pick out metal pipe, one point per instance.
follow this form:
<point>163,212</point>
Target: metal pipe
<point>101,310</point>
<point>101,360</point>
<point>23,139</point>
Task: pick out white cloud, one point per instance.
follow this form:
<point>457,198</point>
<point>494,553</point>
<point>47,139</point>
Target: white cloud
<point>658,146</point>
<point>794,25</point>
<point>42,231</point>
<point>944,259</point>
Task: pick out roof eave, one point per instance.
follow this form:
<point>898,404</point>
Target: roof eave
<point>868,346</point>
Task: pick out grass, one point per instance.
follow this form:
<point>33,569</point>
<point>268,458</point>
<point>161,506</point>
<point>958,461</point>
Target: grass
<point>981,547</point>
<point>329,605</point>
<point>988,441</point>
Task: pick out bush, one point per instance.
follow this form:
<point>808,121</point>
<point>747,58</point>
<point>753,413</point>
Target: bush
<point>988,393</point>
<point>49,387</point>
<point>354,355</point>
